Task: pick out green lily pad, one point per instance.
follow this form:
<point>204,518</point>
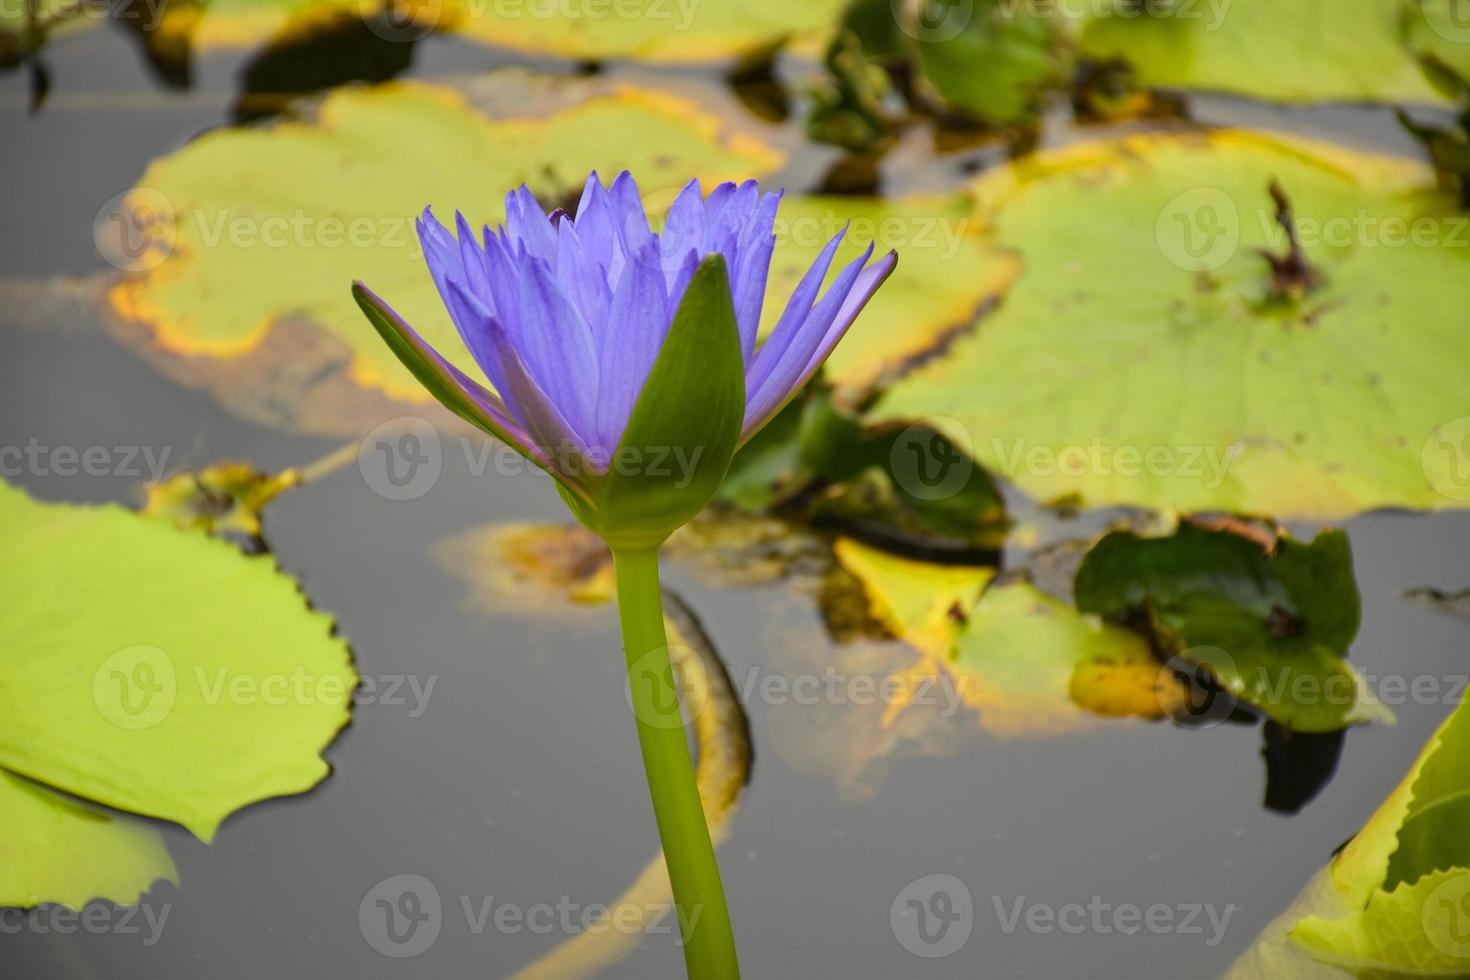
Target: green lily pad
<point>818,462</point>
<point>233,253</point>
<point>1271,622</point>
<point>1001,63</point>
<point>1396,900</point>
<point>1303,51</point>
<point>57,850</point>
<point>1440,29</point>
<point>159,671</point>
<point>1148,356</point>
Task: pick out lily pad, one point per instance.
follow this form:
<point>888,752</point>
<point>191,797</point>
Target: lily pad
<point>1271,623</point>
<point>1150,355</point>
<point>1029,664</point>
<point>1000,65</point>
<point>1032,666</point>
<point>919,602</point>
<point>645,30</point>
<point>57,850</point>
<point>159,671</point>
<point>233,252</point>
<point>1395,900</point>
<point>1303,51</point>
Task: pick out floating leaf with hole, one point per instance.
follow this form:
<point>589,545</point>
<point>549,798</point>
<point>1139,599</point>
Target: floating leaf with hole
<point>1270,621</point>
<point>55,849</point>
<point>1150,355</point>
<point>1395,901</point>
<point>1302,51</point>
<point>156,670</point>
<point>235,252</point>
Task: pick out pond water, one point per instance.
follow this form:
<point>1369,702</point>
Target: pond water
<point>504,766</point>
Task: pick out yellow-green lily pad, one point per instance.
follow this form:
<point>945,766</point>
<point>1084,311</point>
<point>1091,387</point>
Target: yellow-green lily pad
<point>1145,356</point>
<point>156,670</point>
<point>1030,665</point>
<point>54,849</point>
<point>234,251</point>
<point>644,30</point>
<point>1301,51</point>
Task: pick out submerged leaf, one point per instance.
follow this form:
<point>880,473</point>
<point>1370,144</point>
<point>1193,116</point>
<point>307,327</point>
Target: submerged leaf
<point>223,498</point>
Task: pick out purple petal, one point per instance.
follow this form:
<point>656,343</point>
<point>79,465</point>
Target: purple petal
<point>780,380</point>
<point>583,278</point>
<point>556,345</point>
<point>684,226</point>
<point>481,408</point>
<point>760,411</point>
<point>528,226</point>
<point>798,308</point>
<point>637,324</point>
<point>629,218</point>
<point>748,273</point>
<point>559,444</point>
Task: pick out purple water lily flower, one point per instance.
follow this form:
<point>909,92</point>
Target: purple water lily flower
<point>566,315</point>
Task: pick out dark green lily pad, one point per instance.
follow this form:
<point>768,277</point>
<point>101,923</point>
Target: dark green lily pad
<point>1271,621</point>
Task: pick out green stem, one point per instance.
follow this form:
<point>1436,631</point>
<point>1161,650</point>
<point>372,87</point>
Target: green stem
<point>704,920</point>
